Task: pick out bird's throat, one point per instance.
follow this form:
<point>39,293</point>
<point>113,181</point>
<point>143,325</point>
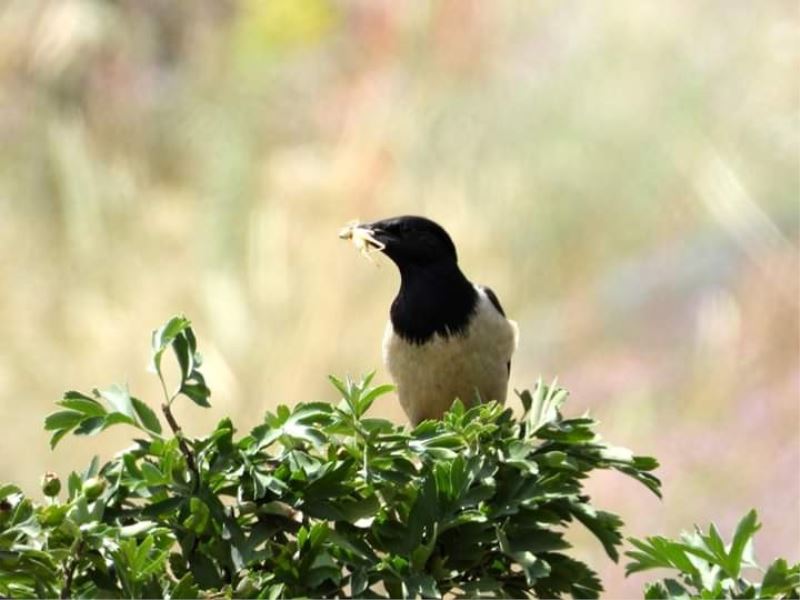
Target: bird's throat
<point>436,299</point>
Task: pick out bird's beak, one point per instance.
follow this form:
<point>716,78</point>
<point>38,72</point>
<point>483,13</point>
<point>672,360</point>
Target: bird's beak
<point>365,237</point>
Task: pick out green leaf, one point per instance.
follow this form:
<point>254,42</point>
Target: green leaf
<point>136,529</point>
<point>197,520</point>
<point>780,580</point>
<point>64,419</point>
<point>533,566</point>
<point>152,475</point>
<point>117,418</point>
<point>659,552</point>
<point>82,404</point>
<point>371,395</point>
<point>8,489</point>
<point>74,484</point>
<point>639,474</point>
<point>163,507</point>
<point>714,542</point>
<point>319,501</point>
<point>164,336</point>
<point>91,426</point>
<point>340,386</point>
<point>745,530</point>
<point>358,583</point>
<point>146,415</point>
<point>421,585</point>
<point>655,591</point>
<point>677,591</point>
<point>119,398</point>
<point>544,406</point>
<point>184,355</point>
<point>704,563</point>
<point>197,393</point>
<point>604,525</point>
<point>568,575</point>
<point>57,436</point>
<point>185,589</point>
<point>421,554</point>
<point>537,541</point>
<point>177,333</point>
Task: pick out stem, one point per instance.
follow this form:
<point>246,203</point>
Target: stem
<point>176,429</point>
<point>168,398</point>
<point>185,449</point>
<point>69,571</point>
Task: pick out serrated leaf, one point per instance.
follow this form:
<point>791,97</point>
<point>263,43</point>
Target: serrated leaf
<point>655,591</point>
<point>164,336</point>
<point>780,580</point>
<point>197,520</point>
<point>371,395</point>
<point>745,530</point>
<point>82,404</point>
<point>90,426</point>
<point>63,419</point>
<point>119,398</point>
<point>163,507</point>
<point>358,582</point>
<point>185,589</point>
<point>57,436</point>
<point>604,525</point>
<point>677,591</point>
<point>340,386</point>
<point>152,475</point>
<point>197,393</point>
<point>117,418</point>
<point>544,404</point>
<point>180,345</point>
<point>8,489</point>
<point>142,554</point>
<point>135,530</point>
<point>74,484</point>
<point>146,415</point>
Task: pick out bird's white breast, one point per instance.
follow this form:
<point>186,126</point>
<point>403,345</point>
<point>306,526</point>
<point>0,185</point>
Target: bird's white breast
<point>471,366</point>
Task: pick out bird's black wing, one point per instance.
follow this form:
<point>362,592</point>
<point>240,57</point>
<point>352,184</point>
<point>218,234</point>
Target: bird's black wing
<point>496,303</point>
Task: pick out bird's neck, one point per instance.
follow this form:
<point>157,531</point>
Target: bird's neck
<point>432,299</point>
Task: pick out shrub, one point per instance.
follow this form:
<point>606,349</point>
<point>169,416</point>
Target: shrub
<point>709,568</point>
<point>319,500</point>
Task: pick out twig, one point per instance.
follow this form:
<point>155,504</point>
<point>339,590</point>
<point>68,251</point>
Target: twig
<point>176,429</point>
<point>69,570</point>
<point>187,451</point>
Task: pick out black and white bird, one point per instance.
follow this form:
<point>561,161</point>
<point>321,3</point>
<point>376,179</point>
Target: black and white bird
<point>446,338</point>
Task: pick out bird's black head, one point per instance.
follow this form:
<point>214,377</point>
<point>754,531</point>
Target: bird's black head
<point>413,242</point>
<point>434,296</point>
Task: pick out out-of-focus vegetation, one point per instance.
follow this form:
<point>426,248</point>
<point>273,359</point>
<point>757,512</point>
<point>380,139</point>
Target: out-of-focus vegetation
<point>623,174</point>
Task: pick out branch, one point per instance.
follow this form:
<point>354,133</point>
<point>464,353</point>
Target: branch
<point>69,571</point>
<point>185,449</point>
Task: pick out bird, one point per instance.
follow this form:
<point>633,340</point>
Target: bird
<point>446,337</point>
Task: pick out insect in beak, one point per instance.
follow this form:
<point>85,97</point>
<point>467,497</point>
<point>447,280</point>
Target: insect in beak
<point>362,238</point>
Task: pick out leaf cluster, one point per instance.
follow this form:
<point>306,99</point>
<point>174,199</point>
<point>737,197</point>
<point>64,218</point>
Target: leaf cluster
<point>318,500</point>
<point>707,567</point>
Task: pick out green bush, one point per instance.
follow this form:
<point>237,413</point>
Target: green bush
<point>708,568</point>
<point>319,500</point>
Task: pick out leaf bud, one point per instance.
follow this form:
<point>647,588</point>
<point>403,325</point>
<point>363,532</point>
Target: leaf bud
<point>93,487</point>
<point>51,484</point>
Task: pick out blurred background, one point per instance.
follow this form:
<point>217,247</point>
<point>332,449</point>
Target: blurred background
<point>624,175</point>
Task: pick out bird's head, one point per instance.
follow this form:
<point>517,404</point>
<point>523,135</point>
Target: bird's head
<point>411,242</point>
